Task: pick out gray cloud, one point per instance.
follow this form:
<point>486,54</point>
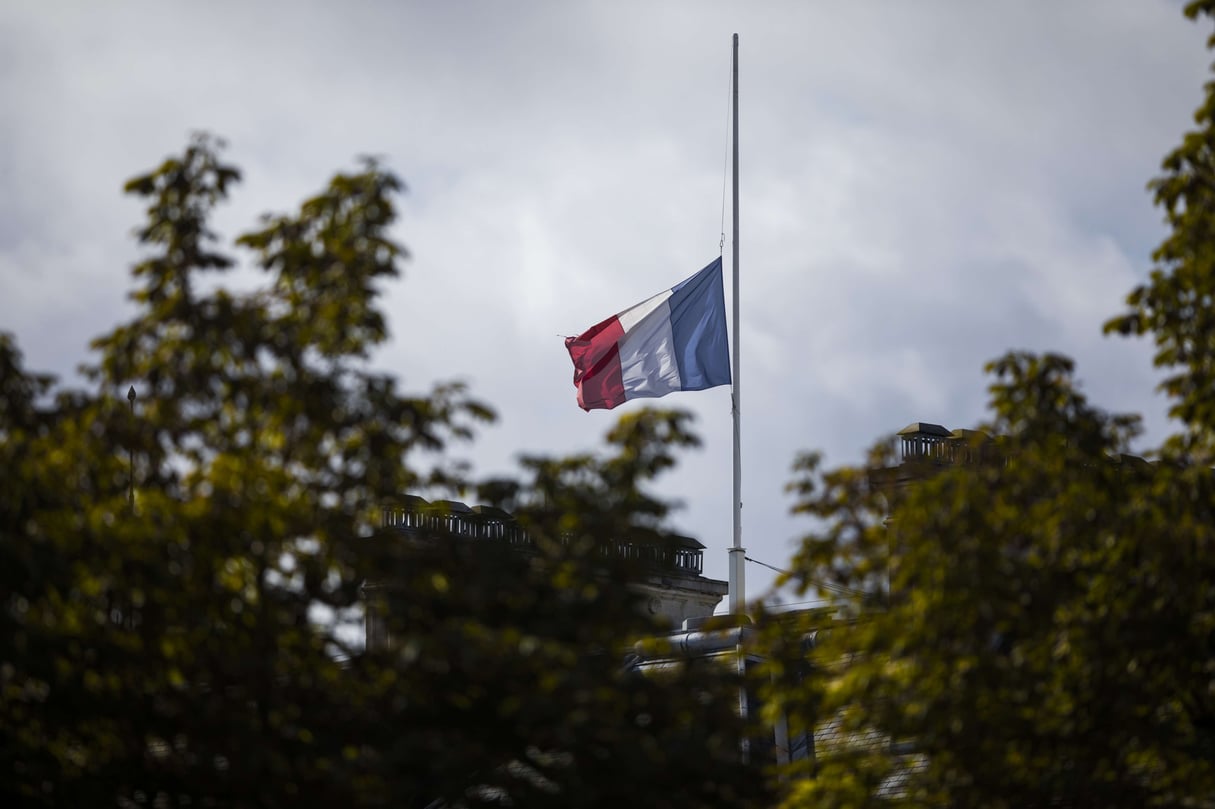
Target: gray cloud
<point>924,186</point>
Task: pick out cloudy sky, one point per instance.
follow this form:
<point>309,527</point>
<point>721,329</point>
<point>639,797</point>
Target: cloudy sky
<point>924,186</point>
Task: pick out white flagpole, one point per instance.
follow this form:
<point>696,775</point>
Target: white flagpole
<point>738,598</point>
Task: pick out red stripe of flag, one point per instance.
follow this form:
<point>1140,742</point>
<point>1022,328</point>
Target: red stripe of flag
<point>596,356</point>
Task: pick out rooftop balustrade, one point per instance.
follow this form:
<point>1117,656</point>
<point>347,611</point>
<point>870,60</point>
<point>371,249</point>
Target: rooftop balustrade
<point>449,518</point>
<point>920,442</point>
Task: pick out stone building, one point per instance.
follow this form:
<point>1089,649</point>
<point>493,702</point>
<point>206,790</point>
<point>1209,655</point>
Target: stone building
<point>671,578</point>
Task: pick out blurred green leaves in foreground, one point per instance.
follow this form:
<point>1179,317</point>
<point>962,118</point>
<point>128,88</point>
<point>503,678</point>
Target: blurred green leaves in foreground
<point>1034,622</point>
<point>1029,625</point>
<point>201,645</point>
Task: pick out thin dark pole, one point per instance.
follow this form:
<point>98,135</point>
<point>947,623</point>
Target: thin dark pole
<point>131,453</point>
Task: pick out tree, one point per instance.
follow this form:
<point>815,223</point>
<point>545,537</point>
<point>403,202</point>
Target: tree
<point>193,646</point>
<point>1038,624</point>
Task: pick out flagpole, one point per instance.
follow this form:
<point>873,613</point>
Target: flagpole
<point>738,597</point>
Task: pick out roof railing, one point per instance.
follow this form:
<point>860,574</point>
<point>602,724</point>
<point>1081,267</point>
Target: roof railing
<point>447,518</point>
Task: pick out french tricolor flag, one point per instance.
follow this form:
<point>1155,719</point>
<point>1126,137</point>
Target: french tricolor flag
<point>674,341</point>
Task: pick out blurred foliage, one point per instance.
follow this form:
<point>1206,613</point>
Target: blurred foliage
<point>1040,620</point>
<point>1033,619</point>
<point>201,644</point>
<point>1176,307</point>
